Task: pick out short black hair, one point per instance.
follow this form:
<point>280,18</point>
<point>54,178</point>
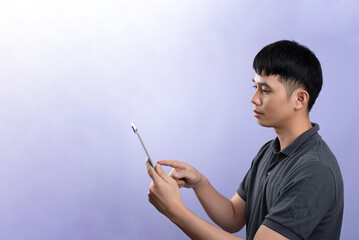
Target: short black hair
<point>295,64</point>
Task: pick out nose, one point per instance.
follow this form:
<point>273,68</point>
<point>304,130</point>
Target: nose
<point>255,99</point>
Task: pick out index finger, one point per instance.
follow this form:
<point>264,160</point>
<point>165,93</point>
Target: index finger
<point>172,163</point>
<point>151,171</point>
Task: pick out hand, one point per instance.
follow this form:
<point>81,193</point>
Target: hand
<point>184,174</point>
<point>164,193</point>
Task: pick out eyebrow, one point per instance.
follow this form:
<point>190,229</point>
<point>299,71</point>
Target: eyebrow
<point>262,83</point>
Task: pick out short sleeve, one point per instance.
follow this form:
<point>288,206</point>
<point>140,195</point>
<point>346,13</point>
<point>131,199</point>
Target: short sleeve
<point>303,201</point>
<point>243,187</point>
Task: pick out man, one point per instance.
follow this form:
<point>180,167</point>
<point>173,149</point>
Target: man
<point>294,187</point>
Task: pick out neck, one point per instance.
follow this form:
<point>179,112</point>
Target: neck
<point>293,129</point>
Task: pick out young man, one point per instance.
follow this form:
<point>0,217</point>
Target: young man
<point>293,189</point>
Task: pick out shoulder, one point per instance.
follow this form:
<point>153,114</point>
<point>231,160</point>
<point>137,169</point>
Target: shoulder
<point>318,168</point>
<point>319,163</point>
<point>316,152</point>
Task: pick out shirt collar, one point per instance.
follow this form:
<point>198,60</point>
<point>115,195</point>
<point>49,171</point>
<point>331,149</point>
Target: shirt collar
<point>291,148</point>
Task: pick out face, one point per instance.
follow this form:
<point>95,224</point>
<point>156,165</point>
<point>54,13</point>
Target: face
<point>272,107</point>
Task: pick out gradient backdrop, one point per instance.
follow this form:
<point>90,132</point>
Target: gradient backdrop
<point>74,74</point>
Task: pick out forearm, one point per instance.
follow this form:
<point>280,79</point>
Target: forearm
<point>196,228</point>
<point>219,208</point>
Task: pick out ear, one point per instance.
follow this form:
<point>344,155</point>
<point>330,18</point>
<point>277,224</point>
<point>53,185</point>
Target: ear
<point>301,98</point>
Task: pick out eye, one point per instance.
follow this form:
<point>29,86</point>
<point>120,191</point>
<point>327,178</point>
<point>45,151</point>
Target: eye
<point>265,90</point>
<point>262,89</point>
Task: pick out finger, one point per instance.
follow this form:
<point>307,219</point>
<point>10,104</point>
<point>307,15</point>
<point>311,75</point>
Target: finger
<point>163,174</point>
<point>151,171</point>
<point>175,173</point>
<point>180,183</point>
<point>172,163</point>
<point>180,174</point>
<point>172,173</point>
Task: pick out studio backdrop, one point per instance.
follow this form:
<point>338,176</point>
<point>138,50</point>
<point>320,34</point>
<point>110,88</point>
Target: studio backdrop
<point>74,74</point>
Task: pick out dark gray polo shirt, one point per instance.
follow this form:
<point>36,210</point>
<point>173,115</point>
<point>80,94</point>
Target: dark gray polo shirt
<point>297,192</point>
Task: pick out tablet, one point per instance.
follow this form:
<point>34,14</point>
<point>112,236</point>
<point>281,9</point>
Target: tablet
<point>135,130</point>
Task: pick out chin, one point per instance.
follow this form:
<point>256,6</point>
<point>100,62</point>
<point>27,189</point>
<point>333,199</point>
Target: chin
<point>264,124</point>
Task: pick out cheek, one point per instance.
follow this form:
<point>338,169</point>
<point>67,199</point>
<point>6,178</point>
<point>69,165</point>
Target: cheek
<point>275,106</point>
<point>269,105</point>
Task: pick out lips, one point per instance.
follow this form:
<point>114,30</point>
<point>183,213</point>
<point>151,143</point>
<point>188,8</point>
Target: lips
<point>257,114</point>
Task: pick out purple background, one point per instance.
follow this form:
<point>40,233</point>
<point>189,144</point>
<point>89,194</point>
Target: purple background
<point>74,74</point>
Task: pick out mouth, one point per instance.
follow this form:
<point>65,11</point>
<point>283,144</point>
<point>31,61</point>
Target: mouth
<point>257,114</point>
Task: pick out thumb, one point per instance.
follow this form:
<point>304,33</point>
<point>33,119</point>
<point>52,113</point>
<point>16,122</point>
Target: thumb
<point>162,173</point>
